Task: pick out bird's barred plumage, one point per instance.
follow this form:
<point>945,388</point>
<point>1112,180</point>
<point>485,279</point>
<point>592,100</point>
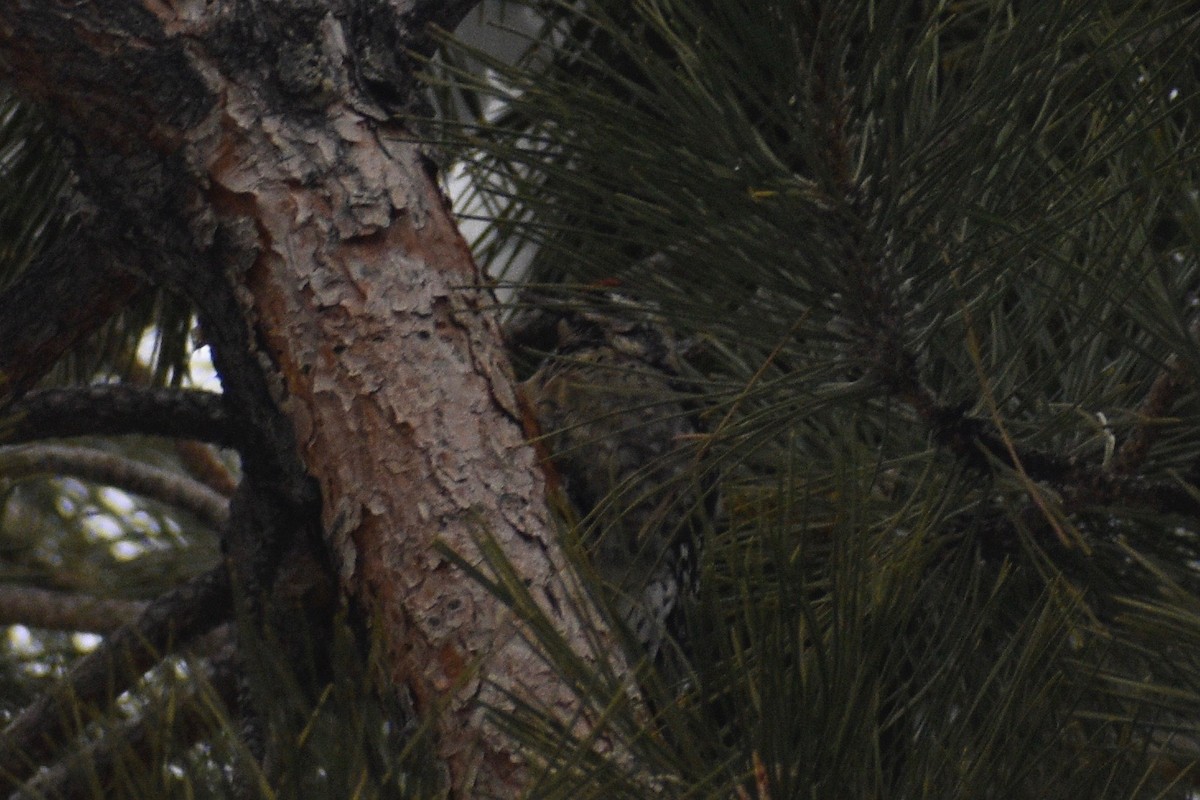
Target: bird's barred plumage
<point>621,441</point>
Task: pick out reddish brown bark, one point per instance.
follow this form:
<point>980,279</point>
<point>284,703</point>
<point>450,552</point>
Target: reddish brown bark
<point>365,312</point>
<point>404,411</point>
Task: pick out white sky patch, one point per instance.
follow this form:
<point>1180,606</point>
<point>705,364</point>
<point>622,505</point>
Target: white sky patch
<point>144,522</point>
<point>86,642</point>
<point>102,526</point>
<point>76,489</point>
<point>38,669</point>
<point>147,348</point>
<point>126,550</point>
<point>22,641</point>
<point>472,213</point>
<point>115,500</point>
<point>504,33</point>
<point>203,373</point>
<point>65,506</point>
<point>72,494</point>
<point>459,186</point>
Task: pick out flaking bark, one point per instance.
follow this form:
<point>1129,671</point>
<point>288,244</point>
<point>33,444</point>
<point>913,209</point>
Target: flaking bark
<point>251,147</point>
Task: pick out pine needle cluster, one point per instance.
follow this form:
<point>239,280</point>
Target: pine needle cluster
<point>937,265</point>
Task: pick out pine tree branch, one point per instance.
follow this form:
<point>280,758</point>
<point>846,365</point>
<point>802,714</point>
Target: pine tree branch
<point>115,409</point>
<point>979,446</point>
<point>199,459</point>
<point>63,611</point>
<point>172,620</point>
<point>117,471</point>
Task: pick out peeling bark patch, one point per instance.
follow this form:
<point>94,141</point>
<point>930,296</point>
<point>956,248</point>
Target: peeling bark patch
<point>359,303</point>
<point>452,667</point>
<point>373,316</point>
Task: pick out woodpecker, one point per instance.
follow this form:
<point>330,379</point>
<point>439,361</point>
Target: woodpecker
<point>612,421</point>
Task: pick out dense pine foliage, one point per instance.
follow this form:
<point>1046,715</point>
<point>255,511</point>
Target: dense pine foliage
<point>936,263</point>
<point>935,266</point>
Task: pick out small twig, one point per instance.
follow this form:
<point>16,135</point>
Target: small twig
<point>971,440</point>
<point>202,463</point>
<point>1159,399</point>
<point>1034,491</point>
<point>1162,395</point>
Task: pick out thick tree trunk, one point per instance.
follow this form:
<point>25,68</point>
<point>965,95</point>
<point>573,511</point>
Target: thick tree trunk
<point>242,151</point>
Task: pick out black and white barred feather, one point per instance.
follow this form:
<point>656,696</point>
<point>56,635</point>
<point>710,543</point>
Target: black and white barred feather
<point>621,439</point>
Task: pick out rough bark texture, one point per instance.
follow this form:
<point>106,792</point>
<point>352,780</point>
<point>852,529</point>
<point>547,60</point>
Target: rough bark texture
<point>246,151</point>
<point>114,409</point>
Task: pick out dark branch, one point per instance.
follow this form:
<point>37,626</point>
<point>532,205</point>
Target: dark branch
<point>972,441</point>
<point>978,443</point>
<point>115,409</point>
